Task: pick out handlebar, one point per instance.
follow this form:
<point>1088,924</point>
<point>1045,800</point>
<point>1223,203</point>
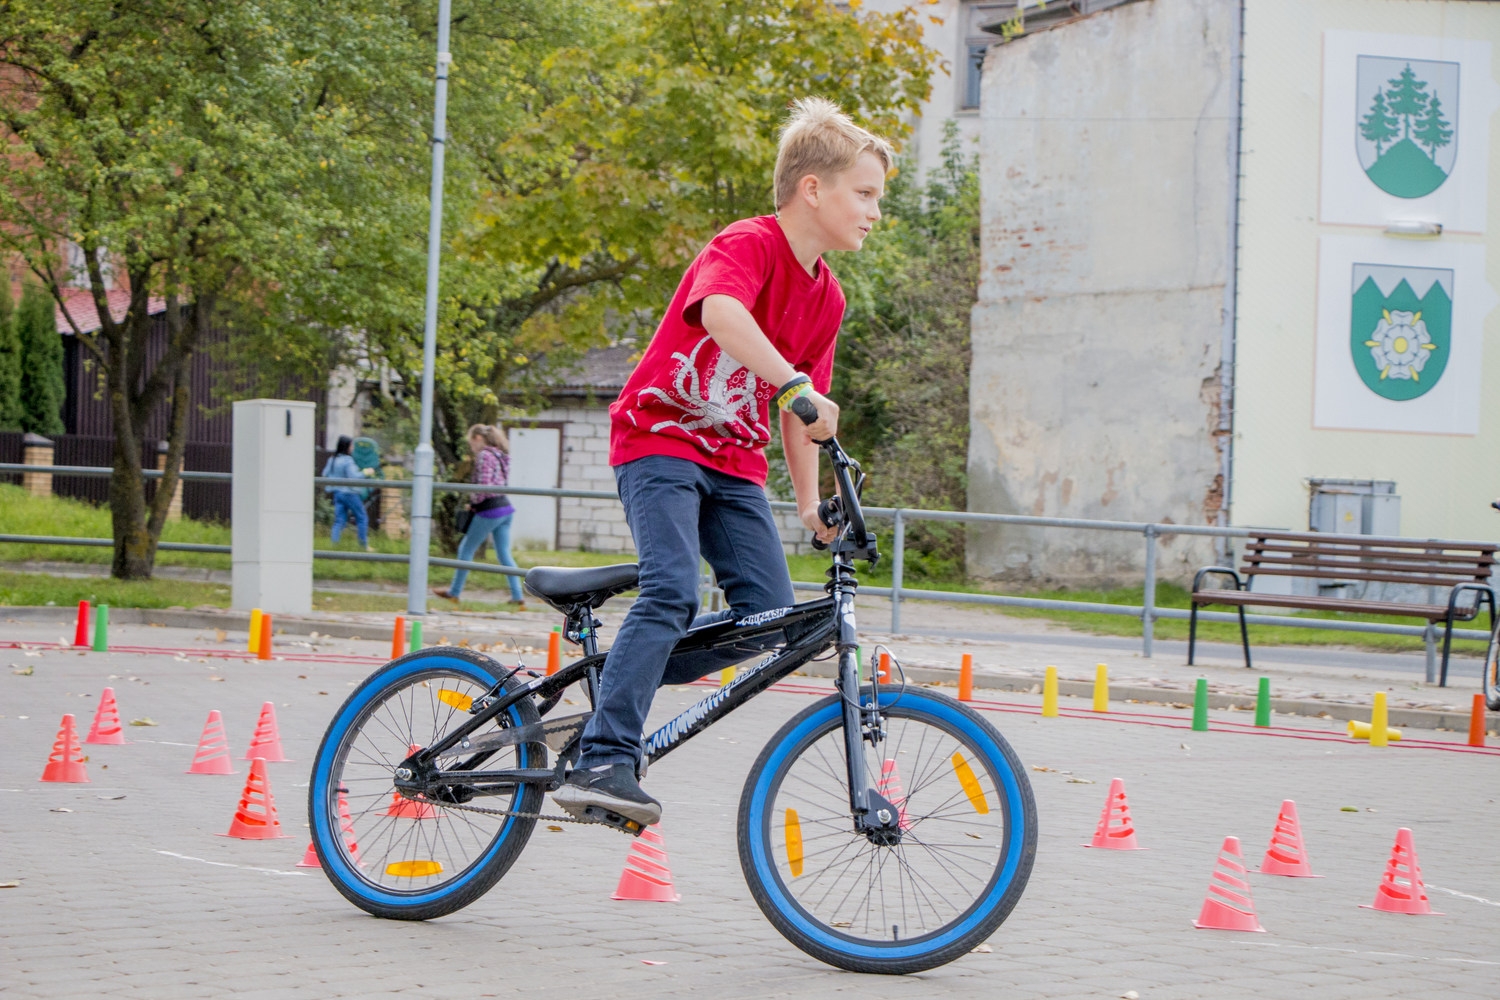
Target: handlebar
<point>845,507</point>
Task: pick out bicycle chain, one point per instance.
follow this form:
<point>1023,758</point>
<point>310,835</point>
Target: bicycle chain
<point>517,814</point>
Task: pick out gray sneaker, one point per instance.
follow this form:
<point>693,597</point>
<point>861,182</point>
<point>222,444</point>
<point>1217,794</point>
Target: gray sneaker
<point>607,788</point>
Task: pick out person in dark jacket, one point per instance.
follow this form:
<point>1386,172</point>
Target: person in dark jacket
<point>492,512</point>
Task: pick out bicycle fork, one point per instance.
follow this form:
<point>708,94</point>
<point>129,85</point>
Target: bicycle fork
<point>873,814</point>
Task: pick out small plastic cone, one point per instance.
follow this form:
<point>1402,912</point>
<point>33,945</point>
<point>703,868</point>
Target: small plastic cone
<point>1101,688</point>
<point>1358,730</point>
<point>885,668</point>
<point>1476,721</point>
<point>398,638</point>
<point>66,762</point>
<point>966,678</point>
<point>255,816</point>
<point>212,755</point>
<point>101,628</point>
<point>106,728</point>
<point>263,647</point>
<point>406,808</point>
<point>252,634</point>
<point>646,876</point>
<point>1286,855</point>
<point>1049,694</point>
<point>346,827</point>
<point>1115,831</point>
<point>554,651</point>
<point>267,739</point>
<point>1401,889</point>
<point>889,787</point>
<point>1228,906</point>
<point>310,859</point>
<point>81,630</point>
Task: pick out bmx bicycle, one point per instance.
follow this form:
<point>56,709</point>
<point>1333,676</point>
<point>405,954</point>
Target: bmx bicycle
<point>883,828</point>
<point>1489,678</point>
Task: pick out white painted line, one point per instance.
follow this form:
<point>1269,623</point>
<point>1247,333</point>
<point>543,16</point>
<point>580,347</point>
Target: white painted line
<point>1381,954</point>
<point>1462,895</point>
<point>225,864</point>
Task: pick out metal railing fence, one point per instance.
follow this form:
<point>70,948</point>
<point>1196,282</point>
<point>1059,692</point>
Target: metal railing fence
<point>1147,612</point>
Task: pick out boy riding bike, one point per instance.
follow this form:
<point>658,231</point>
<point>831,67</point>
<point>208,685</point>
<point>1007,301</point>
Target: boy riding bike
<point>755,318</point>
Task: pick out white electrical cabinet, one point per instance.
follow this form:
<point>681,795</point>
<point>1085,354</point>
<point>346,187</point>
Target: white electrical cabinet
<point>272,512</point>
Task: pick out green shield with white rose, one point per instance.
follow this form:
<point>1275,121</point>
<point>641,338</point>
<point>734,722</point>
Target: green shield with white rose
<point>1401,325</point>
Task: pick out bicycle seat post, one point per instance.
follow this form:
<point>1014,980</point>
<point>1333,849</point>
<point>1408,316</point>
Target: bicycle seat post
<point>582,627</point>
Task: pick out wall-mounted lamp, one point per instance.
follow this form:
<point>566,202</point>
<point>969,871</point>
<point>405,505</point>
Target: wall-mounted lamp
<point>1413,227</point>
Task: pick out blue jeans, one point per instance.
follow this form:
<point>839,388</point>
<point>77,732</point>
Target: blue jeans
<point>679,512</point>
<point>346,506</point>
<point>481,528</point>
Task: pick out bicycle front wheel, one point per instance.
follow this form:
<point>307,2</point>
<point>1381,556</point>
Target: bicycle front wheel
<point>968,835</point>
<point>1491,678</point>
<point>414,859</point>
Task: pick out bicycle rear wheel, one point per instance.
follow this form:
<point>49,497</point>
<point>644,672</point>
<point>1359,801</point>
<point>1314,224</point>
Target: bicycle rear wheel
<point>414,859</point>
<point>1491,676</point>
<point>968,839</point>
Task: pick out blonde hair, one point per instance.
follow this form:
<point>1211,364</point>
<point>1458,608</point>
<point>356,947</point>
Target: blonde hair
<point>818,138</point>
<point>490,435</point>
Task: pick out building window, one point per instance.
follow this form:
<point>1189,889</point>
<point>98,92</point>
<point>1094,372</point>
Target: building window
<point>975,43</point>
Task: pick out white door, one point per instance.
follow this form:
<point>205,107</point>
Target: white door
<point>534,456</point>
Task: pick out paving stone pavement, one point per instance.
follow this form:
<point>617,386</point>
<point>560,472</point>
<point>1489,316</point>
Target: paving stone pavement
<point>137,897</point>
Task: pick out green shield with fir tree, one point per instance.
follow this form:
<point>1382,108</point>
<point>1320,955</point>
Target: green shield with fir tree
<point>1401,326</point>
<point>1406,132</point>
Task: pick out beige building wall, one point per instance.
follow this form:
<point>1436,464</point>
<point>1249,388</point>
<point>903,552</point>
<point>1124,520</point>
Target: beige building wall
<point>1445,479</point>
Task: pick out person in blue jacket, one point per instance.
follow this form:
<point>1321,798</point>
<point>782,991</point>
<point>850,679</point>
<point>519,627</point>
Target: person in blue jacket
<point>347,503</point>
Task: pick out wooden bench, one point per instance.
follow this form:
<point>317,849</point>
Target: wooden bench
<point>1340,560</point>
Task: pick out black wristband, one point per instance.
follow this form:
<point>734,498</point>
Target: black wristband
<point>786,393</point>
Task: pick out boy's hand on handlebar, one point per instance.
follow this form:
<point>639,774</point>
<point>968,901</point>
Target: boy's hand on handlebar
<point>822,532</point>
<point>826,427</point>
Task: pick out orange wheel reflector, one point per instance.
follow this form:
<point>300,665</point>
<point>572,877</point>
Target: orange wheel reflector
<point>413,869</point>
<point>794,842</point>
<point>970,784</point>
<point>462,702</point>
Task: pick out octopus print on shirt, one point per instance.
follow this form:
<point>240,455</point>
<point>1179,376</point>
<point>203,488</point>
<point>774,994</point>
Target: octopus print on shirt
<point>690,399</point>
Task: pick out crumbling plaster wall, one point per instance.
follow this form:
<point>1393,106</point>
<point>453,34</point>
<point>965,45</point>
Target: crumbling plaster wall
<point>1094,393</point>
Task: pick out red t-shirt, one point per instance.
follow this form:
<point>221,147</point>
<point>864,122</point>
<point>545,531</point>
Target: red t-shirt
<point>687,398</point>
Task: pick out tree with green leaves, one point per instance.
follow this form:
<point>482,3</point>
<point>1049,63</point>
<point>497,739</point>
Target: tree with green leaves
<point>11,413</point>
<point>42,385</point>
<point>1407,99</point>
<point>1378,126</point>
<point>1433,131</point>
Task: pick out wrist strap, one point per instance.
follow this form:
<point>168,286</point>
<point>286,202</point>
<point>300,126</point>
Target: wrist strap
<point>800,385</point>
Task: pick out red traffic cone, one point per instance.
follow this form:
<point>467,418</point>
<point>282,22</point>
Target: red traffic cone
<point>646,876</point>
<point>310,858</point>
<point>346,827</point>
<point>1286,855</point>
<point>1228,906</point>
<point>255,817</point>
<point>889,787</point>
<point>1401,889</point>
<point>267,740</point>
<point>106,728</point>
<point>1115,832</point>
<point>406,808</point>
<point>212,755</point>
<point>81,630</point>
<point>66,762</point>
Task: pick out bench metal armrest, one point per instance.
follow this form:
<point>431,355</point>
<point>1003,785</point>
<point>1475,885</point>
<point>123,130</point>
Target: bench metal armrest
<point>1456,613</point>
<point>1219,570</point>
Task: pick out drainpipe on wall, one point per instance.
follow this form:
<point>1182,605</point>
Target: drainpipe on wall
<point>1225,429</point>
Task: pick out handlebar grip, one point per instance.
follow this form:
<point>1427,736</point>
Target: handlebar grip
<point>805,410</point>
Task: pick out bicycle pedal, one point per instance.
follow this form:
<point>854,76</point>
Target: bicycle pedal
<point>609,817</point>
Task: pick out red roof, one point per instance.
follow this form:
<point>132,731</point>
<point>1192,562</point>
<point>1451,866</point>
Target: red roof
<point>80,303</point>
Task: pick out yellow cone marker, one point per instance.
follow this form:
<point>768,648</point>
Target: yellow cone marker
<point>1379,734</point>
<point>253,644</point>
<point>1049,694</point>
<point>970,784</point>
<point>1361,731</point>
<point>794,842</point>
<point>1101,688</point>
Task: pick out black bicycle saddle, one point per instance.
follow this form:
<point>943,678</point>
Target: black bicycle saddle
<point>587,586</point>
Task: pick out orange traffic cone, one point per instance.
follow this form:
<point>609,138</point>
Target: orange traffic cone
<point>889,787</point>
<point>1401,889</point>
<point>267,740</point>
<point>346,827</point>
<point>212,755</point>
<point>398,638</point>
<point>1286,855</point>
<point>106,728</point>
<point>81,629</point>
<point>406,808</point>
<point>66,762</point>
<point>263,647</point>
<point>1228,906</point>
<point>255,817</point>
<point>646,876</point>
<point>1115,832</point>
<point>554,651</point>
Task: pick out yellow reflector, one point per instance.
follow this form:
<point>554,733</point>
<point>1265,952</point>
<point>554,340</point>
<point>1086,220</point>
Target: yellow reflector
<point>458,701</point>
<point>413,869</point>
<point>794,842</point>
<point>970,784</point>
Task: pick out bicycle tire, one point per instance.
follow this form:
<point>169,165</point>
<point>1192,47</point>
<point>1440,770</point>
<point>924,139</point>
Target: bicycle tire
<point>1490,677</point>
<point>380,857</point>
<point>767,859</point>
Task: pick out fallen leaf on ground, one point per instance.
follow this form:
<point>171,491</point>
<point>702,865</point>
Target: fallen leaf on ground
<point>10,885</point>
<point>1038,767</point>
<point>111,798</point>
<point>1080,781</point>
<point>1130,995</point>
<point>647,961</point>
<point>60,809</point>
<point>143,721</point>
<point>25,671</point>
<point>1348,809</point>
<point>553,828</point>
<point>982,948</point>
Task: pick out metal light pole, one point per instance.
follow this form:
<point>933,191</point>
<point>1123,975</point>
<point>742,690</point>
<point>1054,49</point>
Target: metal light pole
<point>421,492</point>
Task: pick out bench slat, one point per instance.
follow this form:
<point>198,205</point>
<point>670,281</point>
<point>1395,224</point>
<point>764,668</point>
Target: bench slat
<point>1369,552</point>
<point>1432,612</point>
